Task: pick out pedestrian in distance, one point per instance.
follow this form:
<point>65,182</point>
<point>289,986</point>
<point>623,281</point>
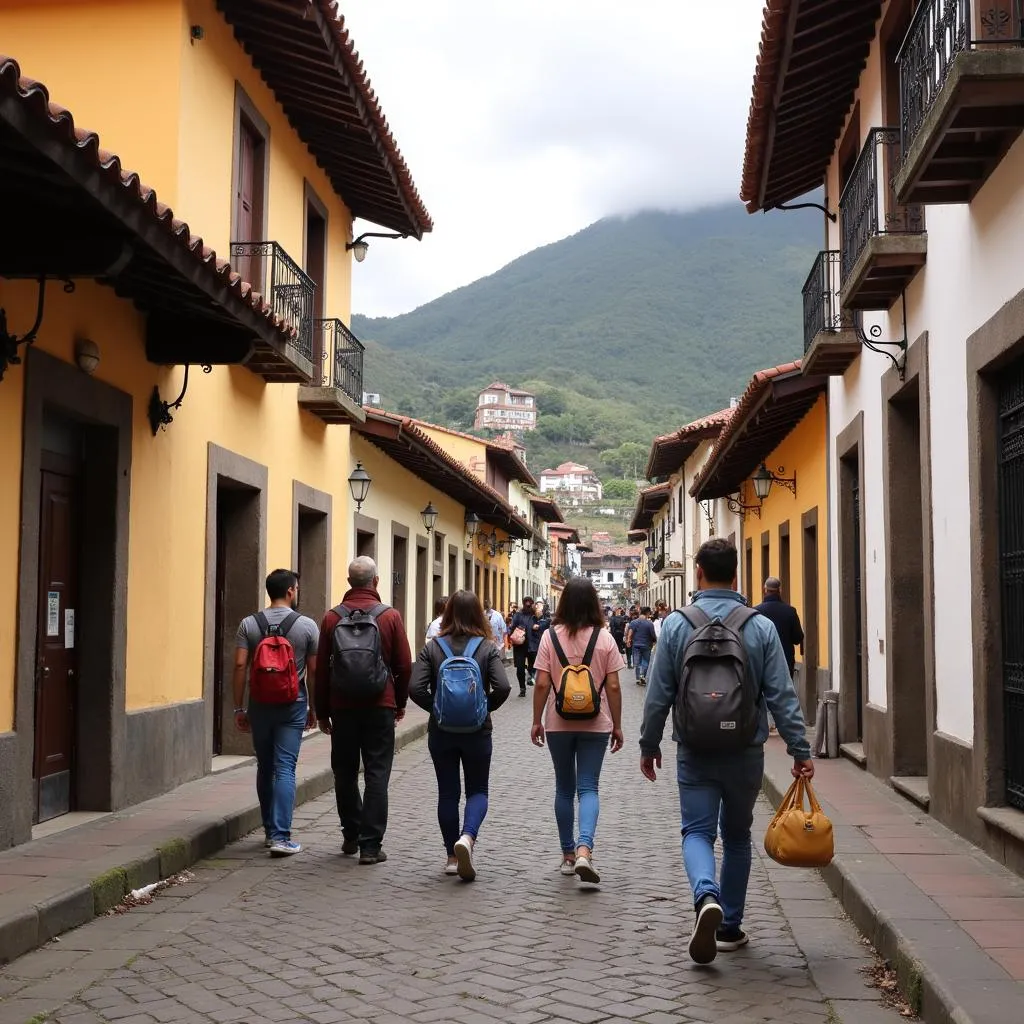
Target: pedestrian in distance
<point>660,612</point>
<point>720,670</point>
<point>276,650</point>
<point>460,679</point>
<point>362,686</point>
<point>539,626</point>
<point>577,709</point>
<point>641,637</point>
<point>786,620</point>
<point>497,623</point>
<point>617,624</point>
<point>627,637</point>
<point>519,632</point>
<point>435,625</point>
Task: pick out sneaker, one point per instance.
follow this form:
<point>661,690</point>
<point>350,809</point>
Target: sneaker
<point>703,947</point>
<point>643,680</point>
<point>451,867</point>
<point>284,848</point>
<point>728,939</point>
<point>372,857</point>
<point>464,856</point>
<point>522,692</point>
<point>349,847</point>
<point>530,681</point>
<point>585,871</point>
<point>268,842</point>
<point>568,867</point>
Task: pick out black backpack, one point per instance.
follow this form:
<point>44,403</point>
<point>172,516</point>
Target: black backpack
<point>716,708</point>
<point>358,672</point>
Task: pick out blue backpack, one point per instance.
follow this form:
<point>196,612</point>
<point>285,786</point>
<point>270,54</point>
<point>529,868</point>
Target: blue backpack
<point>460,701</point>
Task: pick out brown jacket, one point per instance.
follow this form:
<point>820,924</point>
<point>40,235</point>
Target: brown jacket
<point>394,649</point>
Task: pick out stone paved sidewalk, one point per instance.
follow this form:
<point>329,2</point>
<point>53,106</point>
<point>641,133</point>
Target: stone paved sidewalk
<point>318,938</point>
<point>50,885</point>
<point>947,916</point>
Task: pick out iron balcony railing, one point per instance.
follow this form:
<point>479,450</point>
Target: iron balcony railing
<point>659,562</point>
<point>822,311</point>
<point>868,207</point>
<point>939,31</point>
<point>290,291</point>
<point>341,358</point>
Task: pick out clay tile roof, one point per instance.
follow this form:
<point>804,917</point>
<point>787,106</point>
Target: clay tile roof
<point>648,501</point>
<point>809,64</point>
<point>503,452</point>
<point>613,551</point>
<point>670,451</point>
<point>306,56</point>
<point>547,508</point>
<point>775,401</point>
<point>119,186</point>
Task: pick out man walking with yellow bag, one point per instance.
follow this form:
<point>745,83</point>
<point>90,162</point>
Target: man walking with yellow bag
<point>719,668</point>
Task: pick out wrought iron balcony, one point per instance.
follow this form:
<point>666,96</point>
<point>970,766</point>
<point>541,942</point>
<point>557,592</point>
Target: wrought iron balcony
<point>289,291</point>
<point>659,562</point>
<point>336,391</point>
<point>961,96</point>
<point>884,244</point>
<point>830,344</point>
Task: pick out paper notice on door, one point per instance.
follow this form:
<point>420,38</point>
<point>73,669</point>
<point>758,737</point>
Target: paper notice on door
<point>69,628</point>
<point>53,613</point>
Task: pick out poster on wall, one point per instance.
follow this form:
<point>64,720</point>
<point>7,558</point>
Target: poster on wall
<point>69,628</point>
<point>53,613</point>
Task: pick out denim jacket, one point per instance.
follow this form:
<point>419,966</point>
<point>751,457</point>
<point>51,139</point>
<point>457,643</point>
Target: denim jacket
<point>764,658</point>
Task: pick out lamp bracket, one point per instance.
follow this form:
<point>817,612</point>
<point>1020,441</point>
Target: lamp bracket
<point>159,411</point>
<point>9,342</point>
<point>708,515</point>
<point>806,206</point>
<point>789,482</point>
<point>870,339</point>
<point>741,510</point>
<point>372,234</point>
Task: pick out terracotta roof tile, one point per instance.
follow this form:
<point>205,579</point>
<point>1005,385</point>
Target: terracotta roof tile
<point>34,98</point>
<point>670,451</point>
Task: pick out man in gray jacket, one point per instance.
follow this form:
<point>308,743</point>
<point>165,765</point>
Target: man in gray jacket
<point>721,788</point>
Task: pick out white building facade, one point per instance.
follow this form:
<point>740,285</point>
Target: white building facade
<point>572,481</point>
<point>500,407</point>
<point>926,434</point>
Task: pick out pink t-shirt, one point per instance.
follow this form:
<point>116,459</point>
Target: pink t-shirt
<point>605,661</point>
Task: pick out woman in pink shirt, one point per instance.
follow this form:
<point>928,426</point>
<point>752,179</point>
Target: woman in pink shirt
<point>578,745</point>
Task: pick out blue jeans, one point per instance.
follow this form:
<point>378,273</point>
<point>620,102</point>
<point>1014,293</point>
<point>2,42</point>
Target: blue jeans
<point>472,752</point>
<point>276,737</point>
<point>713,792</point>
<point>641,660</point>
<point>577,757</point>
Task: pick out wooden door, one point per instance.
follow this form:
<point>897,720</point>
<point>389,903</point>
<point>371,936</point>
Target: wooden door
<point>245,203</point>
<point>56,644</point>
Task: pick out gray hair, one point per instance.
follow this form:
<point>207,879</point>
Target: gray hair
<point>773,583</point>
<point>362,571</point>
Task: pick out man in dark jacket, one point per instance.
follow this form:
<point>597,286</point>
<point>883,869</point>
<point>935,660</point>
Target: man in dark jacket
<point>363,729</point>
<point>785,618</point>
<point>524,620</point>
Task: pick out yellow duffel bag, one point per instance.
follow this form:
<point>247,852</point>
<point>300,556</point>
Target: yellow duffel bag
<point>797,837</point>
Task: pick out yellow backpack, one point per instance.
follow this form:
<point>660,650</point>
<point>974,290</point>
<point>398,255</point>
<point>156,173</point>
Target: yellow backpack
<point>577,696</point>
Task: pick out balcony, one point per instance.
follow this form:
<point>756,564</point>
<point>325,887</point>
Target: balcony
<point>830,344</point>
<point>274,274</point>
<point>961,97</point>
<point>335,393</point>
<point>883,242</point>
<point>659,562</point>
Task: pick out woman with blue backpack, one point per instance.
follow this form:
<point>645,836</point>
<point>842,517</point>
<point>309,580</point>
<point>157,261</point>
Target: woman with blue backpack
<point>577,707</point>
<point>460,679</point>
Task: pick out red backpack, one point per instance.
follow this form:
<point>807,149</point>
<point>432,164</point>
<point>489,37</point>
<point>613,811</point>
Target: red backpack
<point>273,676</point>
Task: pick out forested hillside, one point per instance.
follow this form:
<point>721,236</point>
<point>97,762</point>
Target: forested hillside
<point>626,329</point>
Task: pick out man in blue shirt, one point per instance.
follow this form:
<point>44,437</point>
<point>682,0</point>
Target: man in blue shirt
<point>641,636</point>
<point>721,788</point>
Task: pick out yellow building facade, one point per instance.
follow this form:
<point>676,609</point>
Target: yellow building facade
<point>780,428</point>
<point>140,529</point>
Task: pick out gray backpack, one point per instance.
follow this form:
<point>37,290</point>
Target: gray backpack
<point>716,708</point>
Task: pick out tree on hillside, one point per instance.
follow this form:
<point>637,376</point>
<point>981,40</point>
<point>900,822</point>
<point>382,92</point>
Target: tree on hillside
<point>626,460</point>
<point>459,407</point>
<point>620,490</point>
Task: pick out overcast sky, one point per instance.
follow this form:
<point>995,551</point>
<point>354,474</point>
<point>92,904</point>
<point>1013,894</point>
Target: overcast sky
<point>525,121</point>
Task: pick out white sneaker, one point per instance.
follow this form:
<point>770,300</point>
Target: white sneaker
<point>585,871</point>
<point>451,868</point>
<point>464,856</point>
<point>568,868</point>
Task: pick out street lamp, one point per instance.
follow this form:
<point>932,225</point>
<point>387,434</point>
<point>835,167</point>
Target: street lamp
<point>472,524</point>
<point>429,517</point>
<point>764,478</point>
<point>359,484</point>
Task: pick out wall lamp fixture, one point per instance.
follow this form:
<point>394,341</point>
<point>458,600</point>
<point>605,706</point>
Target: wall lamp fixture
<point>764,478</point>
<point>429,517</point>
<point>359,484</point>
<point>360,246</point>
<point>735,505</point>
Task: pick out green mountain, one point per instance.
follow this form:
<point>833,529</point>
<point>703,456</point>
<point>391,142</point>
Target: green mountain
<point>626,329</point>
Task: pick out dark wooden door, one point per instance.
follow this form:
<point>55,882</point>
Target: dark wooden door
<point>858,589</point>
<point>56,646</point>
<point>245,202</point>
<point>219,621</point>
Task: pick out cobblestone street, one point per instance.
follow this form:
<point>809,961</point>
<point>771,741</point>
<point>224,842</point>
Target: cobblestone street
<point>319,938</point>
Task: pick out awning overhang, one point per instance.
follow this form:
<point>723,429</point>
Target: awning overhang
<point>547,509</point>
<point>670,451</point>
<point>649,501</point>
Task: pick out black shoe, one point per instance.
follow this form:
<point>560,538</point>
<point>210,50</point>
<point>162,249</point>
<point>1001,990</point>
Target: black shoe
<point>522,692</point>
<point>372,857</point>
<point>703,946</point>
<point>728,939</point>
<point>350,847</point>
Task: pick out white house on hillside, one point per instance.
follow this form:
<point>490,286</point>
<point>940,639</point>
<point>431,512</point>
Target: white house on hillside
<point>500,407</point>
<point>573,480</point>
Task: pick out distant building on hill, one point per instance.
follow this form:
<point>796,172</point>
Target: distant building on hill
<point>578,483</point>
<point>606,566</point>
<point>500,407</point>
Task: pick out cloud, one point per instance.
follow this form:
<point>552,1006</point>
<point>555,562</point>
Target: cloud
<point>524,122</point>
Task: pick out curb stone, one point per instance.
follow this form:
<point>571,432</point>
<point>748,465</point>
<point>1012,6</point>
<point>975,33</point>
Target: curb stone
<point>27,928</point>
<point>919,984</point>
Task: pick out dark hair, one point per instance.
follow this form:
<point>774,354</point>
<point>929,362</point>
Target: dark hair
<point>439,606</point>
<point>579,606</point>
<point>527,600</point>
<point>718,558</point>
<point>279,582</point>
<point>645,610</point>
<point>464,616</point>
